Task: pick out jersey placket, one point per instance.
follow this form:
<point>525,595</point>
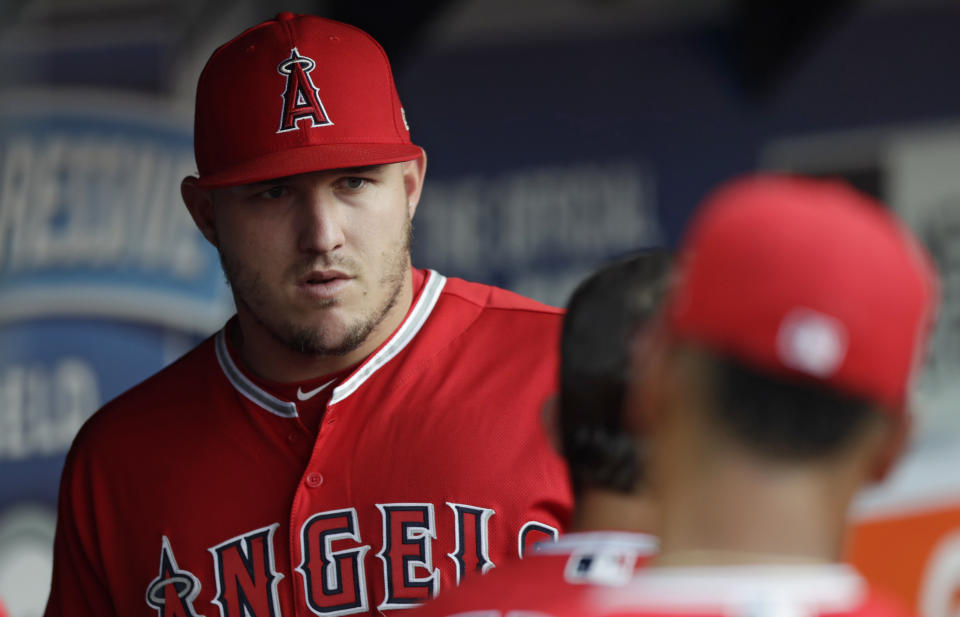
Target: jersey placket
<point>309,505</point>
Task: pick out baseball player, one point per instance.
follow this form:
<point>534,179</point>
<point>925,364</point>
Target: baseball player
<point>361,434</point>
<point>614,513</point>
<point>775,387</point>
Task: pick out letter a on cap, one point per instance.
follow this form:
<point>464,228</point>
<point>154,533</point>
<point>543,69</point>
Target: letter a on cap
<point>301,99</point>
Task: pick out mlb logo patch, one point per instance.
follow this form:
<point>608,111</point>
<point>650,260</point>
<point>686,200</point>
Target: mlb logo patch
<point>608,566</point>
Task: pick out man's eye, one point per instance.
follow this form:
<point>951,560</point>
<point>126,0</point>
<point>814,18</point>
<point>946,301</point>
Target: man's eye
<point>274,192</point>
<point>354,183</point>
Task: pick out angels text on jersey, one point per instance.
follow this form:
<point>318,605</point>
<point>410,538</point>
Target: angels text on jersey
<point>332,569</point>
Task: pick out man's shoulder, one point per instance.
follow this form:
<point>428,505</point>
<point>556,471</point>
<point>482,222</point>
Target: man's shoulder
<point>490,320</point>
<point>875,604</point>
<point>496,299</point>
<point>153,402</point>
<point>817,590</point>
<point>519,585</point>
<point>560,573</point>
<point>181,378</point>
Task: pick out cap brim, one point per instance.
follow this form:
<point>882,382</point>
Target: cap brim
<point>309,158</point>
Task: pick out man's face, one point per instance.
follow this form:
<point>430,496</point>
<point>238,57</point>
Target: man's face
<point>318,259</point>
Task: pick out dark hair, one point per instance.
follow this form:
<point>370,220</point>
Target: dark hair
<point>784,418</point>
<point>603,314</point>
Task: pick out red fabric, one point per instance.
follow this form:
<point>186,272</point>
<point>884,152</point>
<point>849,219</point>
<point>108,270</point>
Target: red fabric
<point>811,591</point>
<point>807,278</point>
<point>578,578</point>
<point>264,111</point>
<point>184,492</point>
<point>875,604</point>
<point>565,575</point>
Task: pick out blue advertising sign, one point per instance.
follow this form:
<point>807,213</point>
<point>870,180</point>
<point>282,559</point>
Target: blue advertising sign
<point>103,280</point>
<point>537,230</point>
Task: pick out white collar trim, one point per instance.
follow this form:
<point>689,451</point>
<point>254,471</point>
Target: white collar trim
<point>777,590</point>
<point>597,540</point>
<point>402,337</point>
<point>243,385</point>
<point>398,340</point>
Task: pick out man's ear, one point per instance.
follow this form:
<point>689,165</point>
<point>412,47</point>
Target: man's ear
<point>199,203</point>
<point>892,446</point>
<point>550,419</point>
<point>413,174</point>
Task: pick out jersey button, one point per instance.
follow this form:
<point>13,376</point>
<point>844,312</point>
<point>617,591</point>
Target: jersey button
<point>314,479</point>
<point>292,437</point>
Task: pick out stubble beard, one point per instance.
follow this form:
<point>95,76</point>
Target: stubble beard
<point>248,289</point>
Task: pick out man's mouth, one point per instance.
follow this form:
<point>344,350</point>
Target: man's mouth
<point>324,283</point>
<point>315,277</point>
<point>316,280</point>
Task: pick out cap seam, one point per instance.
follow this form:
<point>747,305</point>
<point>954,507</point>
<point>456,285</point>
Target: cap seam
<point>389,67</point>
<point>287,25</point>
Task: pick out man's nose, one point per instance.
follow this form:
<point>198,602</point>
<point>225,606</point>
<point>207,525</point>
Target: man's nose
<point>321,226</point>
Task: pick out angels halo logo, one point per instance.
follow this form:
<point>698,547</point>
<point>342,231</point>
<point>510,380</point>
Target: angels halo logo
<point>301,99</point>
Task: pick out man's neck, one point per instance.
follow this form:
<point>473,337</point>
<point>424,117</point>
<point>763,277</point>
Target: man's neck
<point>738,511</point>
<point>601,509</point>
<point>267,356</point>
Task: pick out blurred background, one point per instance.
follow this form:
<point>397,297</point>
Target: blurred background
<point>560,134</point>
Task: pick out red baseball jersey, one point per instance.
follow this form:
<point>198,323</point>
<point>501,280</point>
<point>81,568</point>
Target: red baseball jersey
<point>818,590</point>
<point>205,491</point>
<point>559,573</point>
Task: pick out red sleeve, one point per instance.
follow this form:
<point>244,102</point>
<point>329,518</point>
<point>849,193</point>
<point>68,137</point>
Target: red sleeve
<point>78,588</point>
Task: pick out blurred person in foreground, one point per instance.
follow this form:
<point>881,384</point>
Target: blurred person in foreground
<point>362,433</point>
<point>775,387</point>
<point>613,514</point>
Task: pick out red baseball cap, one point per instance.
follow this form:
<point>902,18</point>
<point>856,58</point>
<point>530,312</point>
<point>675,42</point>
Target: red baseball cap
<point>807,278</point>
<point>294,94</point>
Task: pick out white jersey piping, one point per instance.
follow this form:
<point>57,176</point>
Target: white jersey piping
<point>763,589</point>
<point>256,394</point>
<point>399,340</point>
<point>432,289</point>
<point>587,540</point>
